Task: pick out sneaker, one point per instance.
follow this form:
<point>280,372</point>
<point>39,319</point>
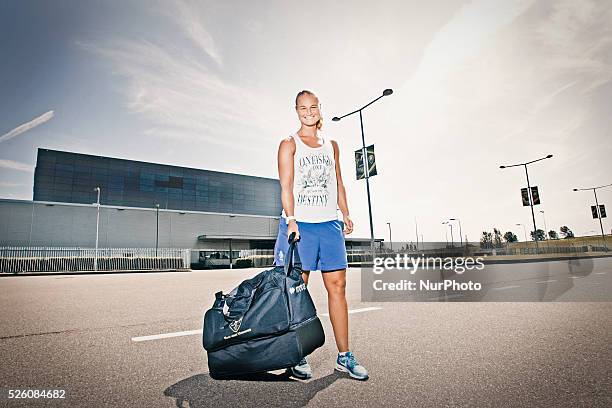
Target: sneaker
<point>348,364</point>
<point>301,371</point>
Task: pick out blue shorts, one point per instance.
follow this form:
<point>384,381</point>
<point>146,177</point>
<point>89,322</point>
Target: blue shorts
<point>321,245</point>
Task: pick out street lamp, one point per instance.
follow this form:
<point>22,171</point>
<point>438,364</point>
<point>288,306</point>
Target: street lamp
<point>447,223</point>
<point>545,230</point>
<point>529,193</point>
<point>97,227</point>
<point>603,236</point>
<point>390,241</point>
<point>524,231</point>
<point>545,227</point>
<point>156,228</point>
<point>452,237</point>
<point>386,92</point>
<point>460,232</point>
<point>416,231</point>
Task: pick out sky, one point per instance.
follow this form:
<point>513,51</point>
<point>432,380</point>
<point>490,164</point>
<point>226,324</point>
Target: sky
<point>211,85</point>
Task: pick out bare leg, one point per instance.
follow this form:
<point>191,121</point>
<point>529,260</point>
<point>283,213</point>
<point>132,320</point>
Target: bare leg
<point>335,283</point>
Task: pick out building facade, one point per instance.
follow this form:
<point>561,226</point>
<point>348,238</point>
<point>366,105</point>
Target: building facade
<point>71,178</point>
<point>206,211</point>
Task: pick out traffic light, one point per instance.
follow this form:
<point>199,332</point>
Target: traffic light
<point>535,195</point>
<point>594,211</point>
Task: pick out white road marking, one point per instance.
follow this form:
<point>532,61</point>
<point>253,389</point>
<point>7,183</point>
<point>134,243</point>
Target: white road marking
<point>167,335</point>
<point>600,273</point>
<point>365,309</point>
<point>452,295</point>
<point>199,331</point>
<point>506,287</point>
<point>546,281</point>
<point>576,277</point>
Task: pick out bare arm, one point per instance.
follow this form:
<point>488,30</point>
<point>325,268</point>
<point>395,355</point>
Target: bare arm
<point>286,152</point>
<point>342,201</point>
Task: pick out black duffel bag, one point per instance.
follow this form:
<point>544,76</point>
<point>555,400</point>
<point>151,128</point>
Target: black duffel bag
<point>268,322</point>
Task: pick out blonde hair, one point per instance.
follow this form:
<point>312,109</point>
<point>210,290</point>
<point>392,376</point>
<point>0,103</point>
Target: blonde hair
<point>307,92</point>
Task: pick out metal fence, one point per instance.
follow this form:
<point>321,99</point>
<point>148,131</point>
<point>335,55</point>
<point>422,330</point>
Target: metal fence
<point>28,259</point>
<point>543,250</point>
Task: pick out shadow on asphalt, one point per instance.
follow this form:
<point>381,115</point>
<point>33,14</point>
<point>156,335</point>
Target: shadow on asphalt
<point>273,389</point>
<point>580,267</point>
<point>550,287</point>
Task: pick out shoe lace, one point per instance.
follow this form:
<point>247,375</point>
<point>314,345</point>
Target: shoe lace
<point>351,361</point>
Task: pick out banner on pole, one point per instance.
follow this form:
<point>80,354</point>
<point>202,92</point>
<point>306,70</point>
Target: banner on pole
<point>535,196</point>
<point>371,163</point>
<point>525,197</point>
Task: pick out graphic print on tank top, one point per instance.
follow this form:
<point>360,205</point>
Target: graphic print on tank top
<point>315,188</point>
<point>314,178</point>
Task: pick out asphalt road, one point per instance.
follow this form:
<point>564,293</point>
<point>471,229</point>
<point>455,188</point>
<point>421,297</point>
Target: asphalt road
<point>572,280</point>
<point>97,338</point>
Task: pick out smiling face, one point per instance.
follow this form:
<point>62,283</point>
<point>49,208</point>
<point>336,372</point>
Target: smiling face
<point>308,110</point>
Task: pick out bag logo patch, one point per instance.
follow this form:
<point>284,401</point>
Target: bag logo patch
<point>297,289</point>
<point>235,325</point>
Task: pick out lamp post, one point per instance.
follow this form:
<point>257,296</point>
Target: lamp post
<point>546,230</point>
<point>386,92</point>
<point>156,228</point>
<point>524,231</point>
<point>535,235</point>
<point>545,227</point>
<point>447,223</point>
<point>452,237</point>
<point>460,232</point>
<point>390,240</point>
<point>603,235</point>
<point>97,227</point>
<point>416,231</point>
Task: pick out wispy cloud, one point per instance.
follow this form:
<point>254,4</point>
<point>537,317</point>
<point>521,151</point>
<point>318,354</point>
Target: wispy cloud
<point>180,93</point>
<point>15,165</point>
<point>513,69</point>
<point>189,18</point>
<point>465,35</point>
<point>27,126</point>
<point>577,37</point>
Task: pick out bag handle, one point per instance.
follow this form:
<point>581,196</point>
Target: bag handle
<point>292,257</point>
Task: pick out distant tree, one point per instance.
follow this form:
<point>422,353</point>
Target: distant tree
<point>510,237</point>
<point>552,234</point>
<point>566,232</point>
<point>497,238</point>
<point>540,233</point>
<point>486,240</point>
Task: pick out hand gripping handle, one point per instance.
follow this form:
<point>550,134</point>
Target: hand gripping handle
<point>292,257</point>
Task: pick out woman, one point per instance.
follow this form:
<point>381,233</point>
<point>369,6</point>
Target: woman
<point>311,192</point>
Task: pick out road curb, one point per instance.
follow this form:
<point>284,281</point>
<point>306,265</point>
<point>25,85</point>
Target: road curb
<point>90,272</point>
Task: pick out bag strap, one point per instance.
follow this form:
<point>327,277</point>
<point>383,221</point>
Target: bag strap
<point>292,257</point>
<point>237,295</point>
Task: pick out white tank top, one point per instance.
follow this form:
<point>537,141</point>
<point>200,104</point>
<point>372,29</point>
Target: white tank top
<point>315,187</point>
